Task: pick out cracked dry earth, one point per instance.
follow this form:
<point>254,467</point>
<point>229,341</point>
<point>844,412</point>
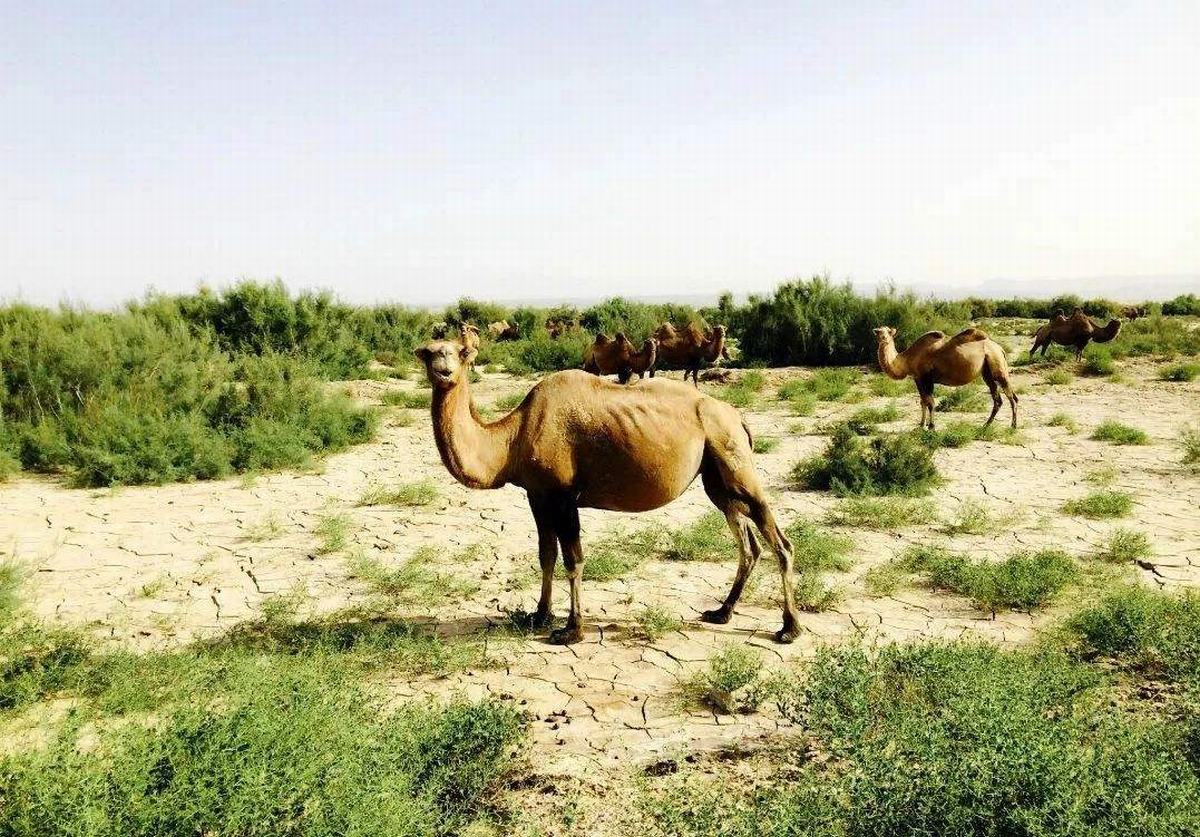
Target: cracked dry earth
<point>160,566</point>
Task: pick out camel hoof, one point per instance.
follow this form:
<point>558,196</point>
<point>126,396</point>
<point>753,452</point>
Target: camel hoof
<point>785,636</point>
<point>720,616</point>
<point>566,636</point>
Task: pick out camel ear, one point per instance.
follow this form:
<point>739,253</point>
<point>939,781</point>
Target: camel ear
<point>422,353</point>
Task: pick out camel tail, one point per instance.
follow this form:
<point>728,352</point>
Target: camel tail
<point>749,435</point>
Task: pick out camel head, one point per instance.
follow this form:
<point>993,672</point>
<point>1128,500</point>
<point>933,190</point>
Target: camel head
<point>886,335</point>
<point>446,362</point>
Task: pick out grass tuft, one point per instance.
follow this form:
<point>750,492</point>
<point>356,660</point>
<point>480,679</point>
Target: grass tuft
<point>421,493</point>
<point>1022,581</point>
<point>1101,504</point>
<point>1125,546</point>
<point>1064,421</point>
<point>881,513</point>
<point>1119,434</point>
<point>966,399</point>
<point>706,539</point>
<point>655,622</point>
<point>333,530</point>
<point>766,444</point>
<point>407,398</point>
<point>1189,443</point>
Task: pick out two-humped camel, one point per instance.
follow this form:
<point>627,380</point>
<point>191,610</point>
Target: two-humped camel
<point>617,356</point>
<point>934,358</point>
<point>689,350</point>
<point>1076,330</point>
<point>579,441</point>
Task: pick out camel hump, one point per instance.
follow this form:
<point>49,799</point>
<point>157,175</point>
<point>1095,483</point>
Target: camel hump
<point>969,335</point>
<point>602,339</point>
<point>621,338</point>
<point>928,339</point>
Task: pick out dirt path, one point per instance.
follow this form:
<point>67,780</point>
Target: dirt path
<point>156,566</point>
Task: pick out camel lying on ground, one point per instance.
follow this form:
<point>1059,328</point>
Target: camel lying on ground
<point>690,349</point>
<point>1075,330</point>
<point>934,358</point>
<point>617,356</point>
<point>579,441</point>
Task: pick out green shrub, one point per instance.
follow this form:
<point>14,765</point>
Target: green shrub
<point>1150,631</point>
<point>655,622</point>
<point>1119,434</point>
<point>882,385</point>
<point>726,683</point>
<point>765,444</point>
<point>339,762</point>
<point>864,420</point>
<point>968,399</point>
<point>957,434</point>
<point>706,539</point>
<point>1179,372</point>
<point>881,513</point>
<point>333,530</point>
<point>890,464</point>
<point>1098,360</point>
<point>1189,443</point>
<point>414,581</point>
<point>1100,504</point>
<point>1022,581</point>
<point>414,400</point>
<point>1125,546</point>
<point>817,549</point>
<point>949,739</point>
<point>1064,421</point>
<point>800,399</point>
<point>1058,376</point>
<point>975,518</point>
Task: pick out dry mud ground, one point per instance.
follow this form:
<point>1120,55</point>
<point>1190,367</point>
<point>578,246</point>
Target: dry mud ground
<point>161,566</point>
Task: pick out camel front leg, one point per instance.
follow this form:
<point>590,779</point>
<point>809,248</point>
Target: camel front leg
<point>925,388</point>
<point>547,557</point>
<point>567,526</point>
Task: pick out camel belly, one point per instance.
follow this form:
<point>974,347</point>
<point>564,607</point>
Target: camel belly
<point>622,479</point>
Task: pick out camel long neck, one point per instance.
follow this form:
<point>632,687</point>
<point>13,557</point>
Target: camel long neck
<point>712,350</point>
<point>475,453</point>
<point>891,363</point>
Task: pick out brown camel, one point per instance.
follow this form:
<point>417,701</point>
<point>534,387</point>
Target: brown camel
<point>1132,312</point>
<point>617,356</point>
<point>690,349</point>
<point>1075,330</point>
<point>954,361</point>
<point>502,330</point>
<point>579,441</point>
<point>469,336</point>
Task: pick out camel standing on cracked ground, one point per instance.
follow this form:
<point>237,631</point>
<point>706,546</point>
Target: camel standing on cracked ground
<point>578,441</point>
<point>1076,330</point>
<point>691,349</point>
<point>934,358</point>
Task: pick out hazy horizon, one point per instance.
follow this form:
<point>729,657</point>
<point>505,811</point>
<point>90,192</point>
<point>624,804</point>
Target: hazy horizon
<point>540,151</point>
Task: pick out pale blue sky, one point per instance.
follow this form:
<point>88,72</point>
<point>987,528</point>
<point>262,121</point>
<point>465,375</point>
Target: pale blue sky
<point>418,152</point>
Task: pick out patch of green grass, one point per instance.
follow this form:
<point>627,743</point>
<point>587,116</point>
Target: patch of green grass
<point>509,402</point>
<point>1097,361</point>
<point>830,384</point>
<point>617,554</point>
<point>414,581</point>
<point>1022,581</point>
<point>883,386</point>
<point>817,549</point>
<point>864,420</point>
<point>888,464</point>
<point>1145,630</point>
<point>1102,475</point>
<point>975,518</point>
<point>1119,434</point>
<point>1064,421</point>
<point>1058,376</point>
<point>727,683</point>
<point>1124,546</point>
<point>801,401</point>
<point>1100,504</point>
<point>881,513</point>
<point>1179,372</point>
<point>1189,443</point>
<point>706,539</point>
<point>281,608</point>
<point>766,444</point>
<point>333,530</point>
<point>420,493</point>
<point>12,575</point>
<point>967,399</point>
<point>957,434</point>
<point>885,579</point>
<point>944,738</point>
<point>655,622</point>
<point>407,398</point>
<point>267,529</point>
<point>814,594</point>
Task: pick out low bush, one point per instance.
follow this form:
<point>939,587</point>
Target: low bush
<point>1064,421</point>
<point>655,622</point>
<point>1058,376</point>
<point>968,399</point>
<point>864,420</point>
<point>1119,434</point>
<point>726,683</point>
<point>881,513</point>
<point>706,539</point>
<point>1100,504</point>
<point>1179,372</point>
<point>1097,361</point>
<point>765,444</point>
<point>413,582</point>
<point>1146,630</point>
<point>1124,546</point>
<point>420,493</point>
<point>888,464</point>
<point>816,549</point>
<point>1189,443</point>
<point>1022,581</point>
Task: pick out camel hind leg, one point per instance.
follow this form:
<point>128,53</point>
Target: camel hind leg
<point>994,389</point>
<point>730,456</point>
<point>748,548</point>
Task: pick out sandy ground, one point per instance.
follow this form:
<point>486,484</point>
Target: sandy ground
<point>159,566</point>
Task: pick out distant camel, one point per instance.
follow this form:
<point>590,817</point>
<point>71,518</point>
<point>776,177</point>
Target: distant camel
<point>1075,330</point>
<point>954,361</point>
<point>617,356</point>
<point>1132,312</point>
<point>579,441</point>
<point>469,336</point>
<point>690,349</point>
<point>502,330</point>
<point>557,328</point>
